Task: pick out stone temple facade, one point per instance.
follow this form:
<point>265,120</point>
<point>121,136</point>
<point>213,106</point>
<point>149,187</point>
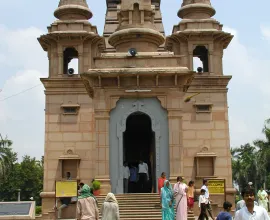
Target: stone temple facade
<point>136,96</point>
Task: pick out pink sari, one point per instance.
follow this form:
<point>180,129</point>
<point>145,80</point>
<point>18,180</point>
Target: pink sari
<point>181,201</point>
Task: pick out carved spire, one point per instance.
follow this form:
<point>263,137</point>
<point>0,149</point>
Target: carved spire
<point>73,10</point>
<point>196,9</point>
<point>136,26</point>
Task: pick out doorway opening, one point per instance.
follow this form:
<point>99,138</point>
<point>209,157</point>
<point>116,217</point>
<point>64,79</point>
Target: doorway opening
<point>139,144</point>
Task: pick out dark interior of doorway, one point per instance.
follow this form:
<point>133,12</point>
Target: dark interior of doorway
<point>139,144</point>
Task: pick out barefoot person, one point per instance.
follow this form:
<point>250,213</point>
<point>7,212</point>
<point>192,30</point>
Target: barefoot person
<point>180,192</point>
<point>190,196</point>
<point>161,181</point>
<point>167,201</point>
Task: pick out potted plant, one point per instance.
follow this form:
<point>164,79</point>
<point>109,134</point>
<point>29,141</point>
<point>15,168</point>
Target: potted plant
<point>96,187</point>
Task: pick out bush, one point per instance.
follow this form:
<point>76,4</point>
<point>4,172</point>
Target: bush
<point>38,210</point>
<point>96,185</point>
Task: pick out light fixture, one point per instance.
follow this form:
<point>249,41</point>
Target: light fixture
<point>190,97</point>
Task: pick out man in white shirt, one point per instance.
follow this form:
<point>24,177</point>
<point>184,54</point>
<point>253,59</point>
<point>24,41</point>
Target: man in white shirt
<point>126,175</point>
<point>240,204</point>
<point>251,211</point>
<point>207,197</point>
<point>143,176</point>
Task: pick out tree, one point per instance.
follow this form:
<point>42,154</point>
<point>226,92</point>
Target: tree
<point>263,155</point>
<point>26,176</point>
<point>31,179</point>
<point>7,157</point>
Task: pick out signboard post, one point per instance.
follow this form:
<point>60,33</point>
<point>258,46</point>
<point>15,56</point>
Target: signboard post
<point>66,189</point>
<point>217,187</point>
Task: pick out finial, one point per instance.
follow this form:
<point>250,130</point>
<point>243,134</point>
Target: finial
<point>73,10</point>
<point>196,9</point>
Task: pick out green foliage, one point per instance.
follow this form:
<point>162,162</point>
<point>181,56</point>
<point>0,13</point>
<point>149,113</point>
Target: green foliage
<point>7,157</point>
<point>38,210</point>
<point>26,176</point>
<point>96,185</point>
<point>251,162</point>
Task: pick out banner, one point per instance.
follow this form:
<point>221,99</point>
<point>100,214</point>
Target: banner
<point>66,189</point>
<point>216,186</point>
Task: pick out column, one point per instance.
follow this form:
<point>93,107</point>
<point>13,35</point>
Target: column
<point>60,60</point>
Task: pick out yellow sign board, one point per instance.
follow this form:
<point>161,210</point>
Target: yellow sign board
<point>66,189</point>
<point>216,186</point>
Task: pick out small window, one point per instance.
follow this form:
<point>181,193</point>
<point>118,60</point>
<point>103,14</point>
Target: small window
<point>70,109</point>
<point>203,108</point>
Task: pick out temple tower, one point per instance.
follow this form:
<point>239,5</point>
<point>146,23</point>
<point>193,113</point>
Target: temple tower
<point>136,97</point>
<point>112,21</point>
<point>69,110</point>
<point>199,35</point>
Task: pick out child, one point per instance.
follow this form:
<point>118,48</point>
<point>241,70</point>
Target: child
<point>226,214</point>
<point>202,205</point>
<point>190,196</point>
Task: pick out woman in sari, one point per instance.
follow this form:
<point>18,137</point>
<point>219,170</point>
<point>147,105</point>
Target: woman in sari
<point>180,192</point>
<point>86,206</point>
<point>110,208</point>
<point>161,181</point>
<point>167,201</point>
<point>263,198</point>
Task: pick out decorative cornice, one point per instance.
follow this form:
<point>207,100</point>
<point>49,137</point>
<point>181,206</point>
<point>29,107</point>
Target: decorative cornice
<point>113,72</point>
<point>186,35</point>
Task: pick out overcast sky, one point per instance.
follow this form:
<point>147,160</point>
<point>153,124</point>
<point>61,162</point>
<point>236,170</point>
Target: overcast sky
<point>23,62</point>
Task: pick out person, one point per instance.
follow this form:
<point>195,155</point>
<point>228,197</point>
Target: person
<point>207,196</point>
<point>190,196</point>
<point>227,206</point>
<point>133,178</point>
<point>263,198</point>
<point>180,192</point>
<point>110,208</point>
<point>161,181</point>
<point>64,204</point>
<point>167,201</point>
<point>202,206</point>
<point>251,211</point>
<point>68,176</point>
<point>143,176</point>
<point>80,188</point>
<point>240,204</point>
<point>126,175</point>
<point>87,208</point>
<point>65,201</point>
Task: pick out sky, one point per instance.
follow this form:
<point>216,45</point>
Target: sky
<point>23,62</point>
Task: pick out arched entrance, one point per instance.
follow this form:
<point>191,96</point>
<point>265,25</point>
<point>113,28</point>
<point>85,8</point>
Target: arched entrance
<point>127,119</point>
<point>139,144</point>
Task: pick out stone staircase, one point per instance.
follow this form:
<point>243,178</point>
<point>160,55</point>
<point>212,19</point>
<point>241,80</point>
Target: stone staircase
<point>139,206</point>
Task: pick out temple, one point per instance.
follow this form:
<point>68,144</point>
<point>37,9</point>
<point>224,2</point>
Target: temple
<point>138,95</point>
